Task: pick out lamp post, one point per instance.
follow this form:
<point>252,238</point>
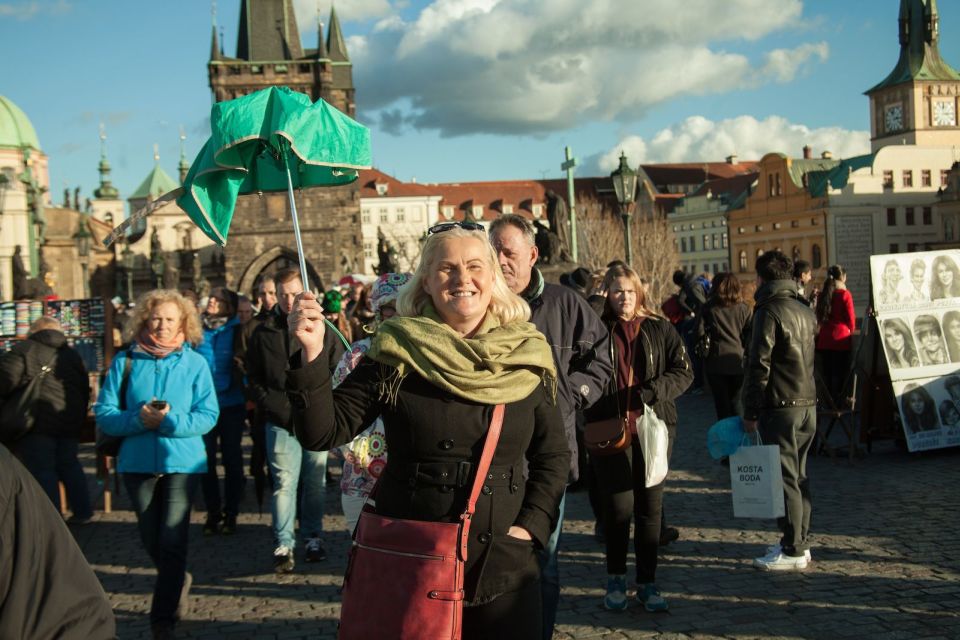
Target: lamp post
<point>82,238</point>
<point>625,185</point>
<point>128,262</point>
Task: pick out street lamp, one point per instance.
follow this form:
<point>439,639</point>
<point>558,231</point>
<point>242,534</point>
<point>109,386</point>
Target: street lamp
<point>625,185</point>
<point>82,238</point>
<point>128,262</point>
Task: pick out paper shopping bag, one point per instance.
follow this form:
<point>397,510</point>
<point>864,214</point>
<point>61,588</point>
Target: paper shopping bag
<point>757,482</point>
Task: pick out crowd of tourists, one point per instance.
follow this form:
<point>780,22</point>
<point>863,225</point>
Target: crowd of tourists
<point>402,382</point>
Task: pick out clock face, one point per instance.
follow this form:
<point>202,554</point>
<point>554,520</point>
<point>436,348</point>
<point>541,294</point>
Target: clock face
<point>893,118</point>
<point>945,113</point>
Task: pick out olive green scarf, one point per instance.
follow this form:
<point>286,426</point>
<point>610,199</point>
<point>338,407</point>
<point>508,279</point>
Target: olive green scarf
<point>498,364</point>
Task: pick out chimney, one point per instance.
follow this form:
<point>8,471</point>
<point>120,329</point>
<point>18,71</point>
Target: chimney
<point>732,158</point>
<point>807,152</point>
<point>827,155</point>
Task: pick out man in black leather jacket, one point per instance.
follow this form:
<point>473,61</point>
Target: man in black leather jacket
<point>780,398</point>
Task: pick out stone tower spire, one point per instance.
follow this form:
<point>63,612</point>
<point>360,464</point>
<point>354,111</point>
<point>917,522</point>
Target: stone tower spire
<point>321,44</point>
<point>183,166</point>
<point>214,43</point>
<point>106,190</point>
<point>336,46</point>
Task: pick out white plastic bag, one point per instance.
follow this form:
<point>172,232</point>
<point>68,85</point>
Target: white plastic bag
<point>756,480</point>
<point>654,441</point>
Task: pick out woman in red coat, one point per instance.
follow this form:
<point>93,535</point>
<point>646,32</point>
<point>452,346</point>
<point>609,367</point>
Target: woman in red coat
<point>837,321</point>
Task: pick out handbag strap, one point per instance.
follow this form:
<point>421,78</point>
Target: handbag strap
<point>489,448</point>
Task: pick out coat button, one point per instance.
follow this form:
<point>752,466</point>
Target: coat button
<point>484,538</point>
<point>487,490</point>
<point>446,445</point>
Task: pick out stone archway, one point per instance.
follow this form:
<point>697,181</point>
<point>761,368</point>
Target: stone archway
<point>271,261</point>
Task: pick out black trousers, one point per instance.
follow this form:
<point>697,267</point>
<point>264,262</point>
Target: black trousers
<point>512,615</point>
<point>621,479</point>
<point>793,431</point>
<point>834,366</point>
<point>726,391</point>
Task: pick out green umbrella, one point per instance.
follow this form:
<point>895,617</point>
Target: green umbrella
<point>275,139</point>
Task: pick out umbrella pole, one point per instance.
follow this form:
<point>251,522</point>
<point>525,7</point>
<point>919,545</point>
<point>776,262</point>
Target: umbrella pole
<point>299,240</point>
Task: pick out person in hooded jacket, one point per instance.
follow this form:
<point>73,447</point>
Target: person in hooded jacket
<point>651,369</point>
<point>159,397</point>
<point>726,320</point>
<point>49,450</point>
<point>221,336</point>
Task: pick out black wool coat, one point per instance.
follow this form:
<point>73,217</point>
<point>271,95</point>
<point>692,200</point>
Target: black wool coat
<point>434,441</point>
<point>62,404</point>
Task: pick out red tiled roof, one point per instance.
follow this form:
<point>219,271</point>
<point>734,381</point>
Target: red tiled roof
<point>463,196</point>
<point>733,186</point>
<point>694,172</point>
<point>370,178</point>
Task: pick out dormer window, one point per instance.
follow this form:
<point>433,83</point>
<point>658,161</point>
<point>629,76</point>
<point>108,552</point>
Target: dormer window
<point>381,188</point>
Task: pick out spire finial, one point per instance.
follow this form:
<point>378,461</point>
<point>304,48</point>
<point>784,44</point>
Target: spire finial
<point>103,142</point>
<point>156,153</point>
<point>213,12</point>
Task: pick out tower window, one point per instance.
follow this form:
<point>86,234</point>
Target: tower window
<point>907,177</point>
<point>888,179</point>
<point>925,178</point>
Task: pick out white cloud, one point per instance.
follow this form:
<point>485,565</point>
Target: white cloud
<point>306,11</point>
<point>700,139</point>
<point>33,9</point>
<point>535,66</point>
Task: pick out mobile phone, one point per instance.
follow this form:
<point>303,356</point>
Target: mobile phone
<point>159,405</point>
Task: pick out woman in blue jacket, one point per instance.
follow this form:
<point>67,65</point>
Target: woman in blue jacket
<point>161,404</point>
<point>220,327</point>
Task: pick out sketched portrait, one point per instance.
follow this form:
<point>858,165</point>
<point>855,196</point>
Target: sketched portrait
<point>930,340</point>
<point>918,410</point>
<point>944,278</point>
<point>901,352</point>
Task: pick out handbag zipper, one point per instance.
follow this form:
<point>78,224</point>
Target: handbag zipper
<point>406,554</point>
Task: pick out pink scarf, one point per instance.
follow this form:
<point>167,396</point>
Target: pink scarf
<point>158,348</point>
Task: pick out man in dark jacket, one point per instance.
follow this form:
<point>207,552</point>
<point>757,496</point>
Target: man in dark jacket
<point>49,450</point>
<point>268,354</point>
<point>47,589</point>
<point>780,398</point>
<point>578,340</point>
<point>690,298</point>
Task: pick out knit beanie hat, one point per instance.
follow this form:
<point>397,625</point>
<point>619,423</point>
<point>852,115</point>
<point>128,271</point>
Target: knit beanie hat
<point>332,301</point>
<point>233,299</point>
<point>387,288</point>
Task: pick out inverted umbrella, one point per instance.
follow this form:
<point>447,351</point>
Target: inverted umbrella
<point>272,140</point>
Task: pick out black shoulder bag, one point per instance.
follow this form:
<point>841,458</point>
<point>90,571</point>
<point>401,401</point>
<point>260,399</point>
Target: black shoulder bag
<point>108,445</point>
<point>16,414</point>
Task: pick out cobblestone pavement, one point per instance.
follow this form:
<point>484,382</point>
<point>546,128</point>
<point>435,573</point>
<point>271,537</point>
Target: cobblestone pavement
<point>886,560</point>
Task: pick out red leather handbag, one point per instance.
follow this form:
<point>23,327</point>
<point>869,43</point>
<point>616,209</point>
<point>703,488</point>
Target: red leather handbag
<point>404,578</point>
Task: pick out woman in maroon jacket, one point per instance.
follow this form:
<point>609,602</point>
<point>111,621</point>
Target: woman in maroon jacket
<point>837,322</point>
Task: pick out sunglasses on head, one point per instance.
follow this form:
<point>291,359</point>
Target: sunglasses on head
<point>446,226</point>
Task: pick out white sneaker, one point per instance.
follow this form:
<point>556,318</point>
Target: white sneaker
<point>777,561</point>
<point>775,548</point>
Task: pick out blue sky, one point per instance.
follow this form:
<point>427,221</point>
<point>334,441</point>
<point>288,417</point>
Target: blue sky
<point>462,90</point>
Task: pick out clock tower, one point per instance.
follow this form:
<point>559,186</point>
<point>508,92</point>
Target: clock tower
<point>918,102</point>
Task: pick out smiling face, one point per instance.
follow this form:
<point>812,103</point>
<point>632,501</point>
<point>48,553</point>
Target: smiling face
<point>916,277</point>
<point>165,321</point>
<point>623,298</point>
<point>892,275</point>
<point>944,274</point>
<point>515,255</point>
<point>894,338</point>
<point>460,282</point>
<point>930,341</point>
<point>950,415</point>
<point>953,329</point>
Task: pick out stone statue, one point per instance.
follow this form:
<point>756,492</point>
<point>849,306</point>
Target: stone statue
<point>197,271</point>
<point>548,244</point>
<point>385,253</point>
<point>559,218</point>
<point>66,197</point>
<point>171,274</point>
<point>20,276</point>
<point>76,199</point>
<point>157,260</point>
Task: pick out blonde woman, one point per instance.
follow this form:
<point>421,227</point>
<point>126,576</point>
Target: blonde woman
<point>461,344</point>
<point>162,410</point>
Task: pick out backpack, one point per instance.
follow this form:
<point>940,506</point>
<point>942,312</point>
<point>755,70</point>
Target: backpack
<point>16,413</point>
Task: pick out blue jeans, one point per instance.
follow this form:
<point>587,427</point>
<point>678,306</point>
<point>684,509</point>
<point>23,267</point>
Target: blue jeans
<point>50,460</point>
<point>550,574</point>
<point>291,464</point>
<point>162,503</point>
<point>229,431</point>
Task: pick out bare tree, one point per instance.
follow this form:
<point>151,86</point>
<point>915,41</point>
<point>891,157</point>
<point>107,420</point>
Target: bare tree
<point>406,248</point>
<point>655,255</point>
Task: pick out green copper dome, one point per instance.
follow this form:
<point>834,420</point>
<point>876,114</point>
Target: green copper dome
<point>15,128</point>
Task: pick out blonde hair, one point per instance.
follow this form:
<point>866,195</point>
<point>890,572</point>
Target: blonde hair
<point>623,271</point>
<point>505,305</point>
<point>149,301</point>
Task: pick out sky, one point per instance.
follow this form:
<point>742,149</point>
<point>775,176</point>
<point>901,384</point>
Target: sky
<point>469,90</point>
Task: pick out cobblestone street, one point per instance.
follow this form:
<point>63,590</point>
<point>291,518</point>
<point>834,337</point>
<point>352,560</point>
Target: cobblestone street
<point>886,560</point>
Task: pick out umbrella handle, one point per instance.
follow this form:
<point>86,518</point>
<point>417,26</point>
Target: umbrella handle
<point>299,240</point>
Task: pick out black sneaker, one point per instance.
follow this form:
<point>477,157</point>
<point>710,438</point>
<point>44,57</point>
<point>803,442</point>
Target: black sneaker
<point>229,526</point>
<point>315,551</point>
<point>283,559</point>
<point>668,535</point>
<point>212,526</point>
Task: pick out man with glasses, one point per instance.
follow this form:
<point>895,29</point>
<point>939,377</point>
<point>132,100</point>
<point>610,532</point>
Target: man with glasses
<point>577,338</point>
